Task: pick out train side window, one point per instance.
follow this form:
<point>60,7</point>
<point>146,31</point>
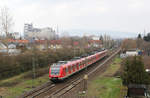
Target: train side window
<point>66,69</point>
<point>83,62</point>
<point>74,66</point>
<point>71,68</point>
<point>77,65</point>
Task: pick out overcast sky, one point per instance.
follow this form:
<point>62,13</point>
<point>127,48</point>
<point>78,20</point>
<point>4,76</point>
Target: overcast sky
<point>110,15</point>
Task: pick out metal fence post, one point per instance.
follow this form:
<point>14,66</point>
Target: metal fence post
<point>85,83</point>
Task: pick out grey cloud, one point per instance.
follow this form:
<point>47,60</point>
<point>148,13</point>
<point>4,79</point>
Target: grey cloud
<point>109,15</point>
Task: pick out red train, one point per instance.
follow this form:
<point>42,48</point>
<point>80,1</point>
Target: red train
<point>64,69</point>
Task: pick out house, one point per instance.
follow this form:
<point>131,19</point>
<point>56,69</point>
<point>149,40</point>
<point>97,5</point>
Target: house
<point>11,49</point>
<point>137,91</point>
<point>3,48</point>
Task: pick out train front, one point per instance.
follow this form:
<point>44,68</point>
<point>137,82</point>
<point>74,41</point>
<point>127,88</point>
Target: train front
<point>55,71</point>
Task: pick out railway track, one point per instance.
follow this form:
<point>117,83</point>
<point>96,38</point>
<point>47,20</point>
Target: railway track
<point>70,86</point>
<point>35,92</point>
<point>48,90</point>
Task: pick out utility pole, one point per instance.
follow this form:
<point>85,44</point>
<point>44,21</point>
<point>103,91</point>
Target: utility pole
<point>33,64</point>
<point>85,78</point>
<point>33,70</point>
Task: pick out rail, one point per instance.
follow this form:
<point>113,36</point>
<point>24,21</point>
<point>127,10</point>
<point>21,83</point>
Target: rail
<point>71,85</point>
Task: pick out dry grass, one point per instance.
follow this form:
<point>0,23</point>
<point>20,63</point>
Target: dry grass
<point>12,87</point>
<point>106,85</point>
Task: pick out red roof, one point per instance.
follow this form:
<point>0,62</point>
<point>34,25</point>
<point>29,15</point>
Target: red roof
<point>18,41</point>
<point>95,41</point>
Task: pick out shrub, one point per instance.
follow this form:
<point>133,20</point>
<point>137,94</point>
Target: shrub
<point>133,71</point>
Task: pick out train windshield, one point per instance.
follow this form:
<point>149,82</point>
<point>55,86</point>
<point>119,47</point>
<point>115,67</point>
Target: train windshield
<point>55,71</point>
<point>55,68</point>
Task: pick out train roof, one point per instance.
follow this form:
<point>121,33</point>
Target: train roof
<point>79,60</point>
<point>75,60</point>
<point>59,63</point>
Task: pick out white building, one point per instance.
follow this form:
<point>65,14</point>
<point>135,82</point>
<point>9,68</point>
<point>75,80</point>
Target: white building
<point>93,37</point>
<point>38,33</point>
<point>132,53</point>
<point>27,28</point>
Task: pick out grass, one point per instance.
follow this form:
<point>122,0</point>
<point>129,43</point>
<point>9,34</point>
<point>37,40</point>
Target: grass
<point>25,86</point>
<point>15,86</point>
<point>106,85</point>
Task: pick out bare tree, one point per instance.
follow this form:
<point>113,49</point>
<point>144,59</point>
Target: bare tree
<point>128,44</point>
<point>6,23</point>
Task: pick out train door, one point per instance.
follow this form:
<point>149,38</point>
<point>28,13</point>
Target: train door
<point>64,71</point>
<point>73,67</point>
<point>84,62</point>
<point>80,64</point>
<point>98,56</point>
<point>77,65</point>
<point>69,69</point>
<point>95,58</point>
<point>90,60</point>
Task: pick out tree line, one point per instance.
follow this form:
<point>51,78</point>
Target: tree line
<point>14,65</point>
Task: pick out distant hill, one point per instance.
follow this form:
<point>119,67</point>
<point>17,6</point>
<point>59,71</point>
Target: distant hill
<point>113,34</point>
